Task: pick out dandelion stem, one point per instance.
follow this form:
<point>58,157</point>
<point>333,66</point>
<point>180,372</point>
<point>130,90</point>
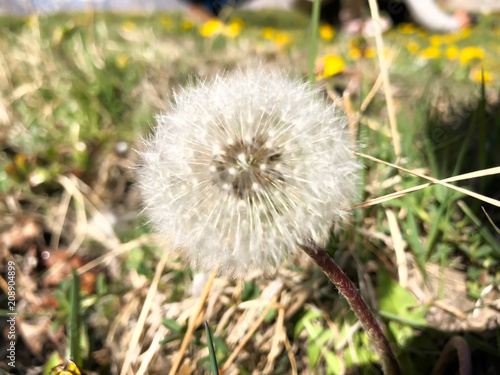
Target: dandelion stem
<point>456,347</point>
<point>347,289</point>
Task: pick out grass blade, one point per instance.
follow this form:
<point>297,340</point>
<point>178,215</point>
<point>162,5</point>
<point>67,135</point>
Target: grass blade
<point>444,182</point>
<point>314,38</point>
<point>482,127</point>
<point>74,320</point>
<point>211,350</point>
<point>495,245</point>
<point>491,221</point>
<point>384,71</point>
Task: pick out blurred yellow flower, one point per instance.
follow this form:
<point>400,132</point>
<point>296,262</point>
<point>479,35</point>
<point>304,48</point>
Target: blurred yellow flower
<point>268,32</point>
<point>452,52</point>
<point>430,53</point>
<point>448,38</point>
<point>211,27</point>
<point>470,53</point>
<point>422,33</point>
<point>31,21</point>
<point>371,52</point>
<point>167,23</point>
<point>464,33</point>
<point>413,47</point>
<point>233,29</point>
<point>477,76</point>
<point>187,25</point>
<point>355,53</point>
<point>359,48</point>
<point>333,65</point>
<point>282,39</point>
<point>327,32</point>
<point>121,60</point>
<point>407,28</point>
<point>436,40</point>
<point>20,160</point>
<point>166,20</point>
<point>57,35</point>
<point>237,21</point>
<point>128,26</point>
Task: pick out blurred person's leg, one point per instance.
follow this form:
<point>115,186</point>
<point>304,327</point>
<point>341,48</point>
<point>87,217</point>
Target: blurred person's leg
<point>352,18</point>
<point>426,13</point>
<point>351,9</point>
<point>206,9</point>
<point>198,10</point>
<point>268,4</point>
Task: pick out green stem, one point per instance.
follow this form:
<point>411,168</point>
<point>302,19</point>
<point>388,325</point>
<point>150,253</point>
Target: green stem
<point>314,38</point>
<point>347,289</point>
<point>74,320</point>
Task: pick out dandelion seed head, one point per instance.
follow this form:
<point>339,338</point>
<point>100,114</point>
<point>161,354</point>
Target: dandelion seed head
<point>244,167</point>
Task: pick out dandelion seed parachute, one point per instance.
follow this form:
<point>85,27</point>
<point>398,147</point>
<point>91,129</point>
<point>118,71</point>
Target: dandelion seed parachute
<point>244,167</point>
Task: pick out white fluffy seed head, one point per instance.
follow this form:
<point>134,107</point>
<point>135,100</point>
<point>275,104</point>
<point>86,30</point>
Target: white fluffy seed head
<point>246,166</point>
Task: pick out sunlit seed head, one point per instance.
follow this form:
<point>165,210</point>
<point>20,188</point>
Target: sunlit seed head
<point>246,166</point>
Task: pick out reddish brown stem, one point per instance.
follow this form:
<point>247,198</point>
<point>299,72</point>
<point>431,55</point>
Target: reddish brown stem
<point>456,347</point>
<point>347,289</point>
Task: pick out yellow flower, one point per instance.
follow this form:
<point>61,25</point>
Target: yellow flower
<point>430,53</point>
<point>333,65</point>
<point>187,25</point>
<point>57,35</point>
<point>407,28</point>
<point>359,48</point>
<point>412,47</point>
<point>452,52</point>
<point>31,21</point>
<point>237,22</point>
<point>355,53</point>
<point>121,60</point>
<point>282,39</point>
<point>448,38</point>
<point>470,53</point>
<point>477,76</point>
<point>371,52</point>
<point>464,33</point>
<point>20,160</point>
<point>211,27</point>
<point>167,21</point>
<point>436,40</point>
<point>128,26</point>
<point>422,33</point>
<point>234,28</point>
<point>268,32</point>
<point>327,32</point>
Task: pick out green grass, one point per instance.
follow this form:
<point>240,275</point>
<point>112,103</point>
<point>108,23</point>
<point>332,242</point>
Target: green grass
<point>76,88</point>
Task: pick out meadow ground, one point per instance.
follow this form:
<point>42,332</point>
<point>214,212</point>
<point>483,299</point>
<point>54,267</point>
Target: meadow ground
<point>77,93</point>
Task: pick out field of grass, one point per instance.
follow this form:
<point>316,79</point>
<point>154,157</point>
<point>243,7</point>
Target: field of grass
<point>77,93</point>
